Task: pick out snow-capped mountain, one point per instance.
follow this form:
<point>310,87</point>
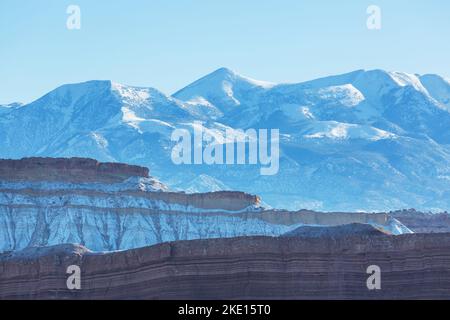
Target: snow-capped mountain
<point>366,140</point>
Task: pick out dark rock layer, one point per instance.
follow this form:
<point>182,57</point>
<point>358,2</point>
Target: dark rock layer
<point>414,266</point>
<point>68,170</point>
<point>346,230</point>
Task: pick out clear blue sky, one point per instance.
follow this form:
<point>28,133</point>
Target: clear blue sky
<point>169,43</point>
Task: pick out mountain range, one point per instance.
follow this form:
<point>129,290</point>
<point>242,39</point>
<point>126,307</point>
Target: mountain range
<point>362,141</point>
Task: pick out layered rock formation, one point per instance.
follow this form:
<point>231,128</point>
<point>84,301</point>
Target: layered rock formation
<point>109,207</point>
<point>56,213</point>
<point>414,266</point>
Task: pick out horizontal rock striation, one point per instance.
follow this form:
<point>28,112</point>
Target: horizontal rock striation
<point>413,266</point>
<point>121,220</point>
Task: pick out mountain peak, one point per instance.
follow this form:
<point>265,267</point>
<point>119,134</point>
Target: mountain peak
<point>223,71</point>
<point>221,87</point>
<point>87,84</point>
<point>231,75</point>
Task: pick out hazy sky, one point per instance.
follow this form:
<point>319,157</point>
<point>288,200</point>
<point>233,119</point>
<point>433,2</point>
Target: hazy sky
<point>169,43</point>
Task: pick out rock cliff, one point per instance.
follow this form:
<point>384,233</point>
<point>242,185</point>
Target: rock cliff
<point>413,266</point>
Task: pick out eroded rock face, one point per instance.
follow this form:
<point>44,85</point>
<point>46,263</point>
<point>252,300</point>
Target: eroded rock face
<point>414,266</point>
<point>104,208</point>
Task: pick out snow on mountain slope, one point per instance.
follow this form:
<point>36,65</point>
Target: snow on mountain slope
<point>60,115</point>
<point>337,130</point>
<point>438,87</point>
<point>340,135</point>
<point>80,120</point>
<point>224,89</point>
<point>6,108</point>
<point>144,103</point>
<point>406,79</point>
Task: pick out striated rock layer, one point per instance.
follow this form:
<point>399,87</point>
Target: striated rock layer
<point>413,266</point>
